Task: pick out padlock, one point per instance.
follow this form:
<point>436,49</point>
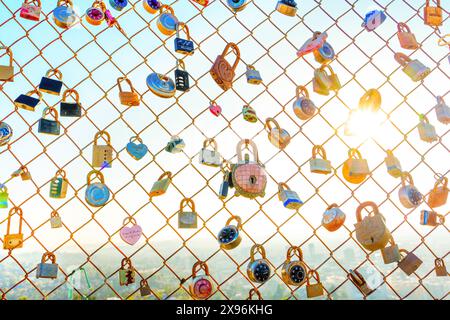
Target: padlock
<point>335,83</point>
<point>258,270</point>
<point>70,109</point>
<point>13,240</point>
<point>221,71</point>
<point>47,270</point>
<point>249,114</point>
<point>128,98</point>
<point>24,173</point>
<point>393,165</point>
<point>237,5</point>
<point>48,126</point>
<point>160,187</point>
<point>227,180</point>
<point>229,237</point>
<point>97,194</point>
<point>371,232</point>
<point>152,6</point>
<point>254,291</point>
<point>333,218</point>
<point>444,41</point>
<point>144,288</point>
<point>130,235</point>
<point>321,82</point>
<point>294,272</point>
<point>287,7</point>
<point>6,133</point>
<point>279,137</point>
<point>184,46</point>
<point>181,77</point>
<point>391,253</point>
<point>409,195</point>
<point>373,20</point>
<point>413,68</point>
<point>27,101</point>
<point>119,5</point>
<point>127,273</point>
<point>167,21</point>
<point>7,72</point>
<point>49,85</point>
<point>370,101</point>
<point>312,44</point>
<point>427,132</point>
<point>320,165</point>
<point>248,177</point>
<point>3,197</point>
<point>111,21</point>
<point>439,194</point>
<point>201,2</point>
<point>355,168</point>
<point>95,14</point>
<point>439,267</point>
<point>288,197</point>
<point>102,155</point>
<point>64,15</point>
<point>442,110</point>
<point>406,38</point>
<point>409,263</point>
<point>431,218</point>
<point>200,286</point>
<point>432,16</point>
<point>161,85</point>
<point>74,280</point>
<point>253,76</point>
<point>316,289</point>
<point>31,10</point>
<point>214,108</point>
<point>136,151</point>
<point>175,145</point>
<point>58,185</point>
<point>304,107</point>
<point>209,157</point>
<point>324,54</point>
<point>187,219</point>
<point>358,280</point>
<point>55,220</point>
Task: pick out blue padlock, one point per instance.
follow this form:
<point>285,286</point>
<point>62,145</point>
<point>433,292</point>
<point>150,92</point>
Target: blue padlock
<point>49,85</point>
<point>27,101</point>
<point>373,19</point>
<point>49,126</point>
<point>184,46</point>
<point>237,5</point>
<point>137,151</point>
<point>5,133</point>
<point>47,270</point>
<point>118,4</point>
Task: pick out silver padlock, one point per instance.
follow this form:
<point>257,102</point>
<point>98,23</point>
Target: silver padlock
<point>47,270</point>
<point>253,75</point>
<point>55,220</point>
<point>409,195</point>
<point>415,69</point>
<point>409,263</point>
<point>442,110</point>
<point>427,132</point>
<point>210,157</point>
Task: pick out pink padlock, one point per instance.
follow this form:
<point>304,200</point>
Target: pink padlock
<point>31,10</point>
<point>109,18</point>
<point>215,108</point>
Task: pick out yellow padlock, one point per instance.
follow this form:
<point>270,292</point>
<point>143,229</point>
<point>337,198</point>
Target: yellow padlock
<point>355,168</point>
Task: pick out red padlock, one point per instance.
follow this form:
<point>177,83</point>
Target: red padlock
<point>31,10</point>
<point>215,108</point>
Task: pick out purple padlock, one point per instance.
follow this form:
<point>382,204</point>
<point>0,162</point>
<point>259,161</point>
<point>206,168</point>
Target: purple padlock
<point>95,14</point>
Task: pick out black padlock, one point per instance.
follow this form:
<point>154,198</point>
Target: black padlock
<point>181,77</point>
<point>70,109</point>
<point>48,126</point>
<point>49,85</point>
<point>184,46</point>
<point>27,101</point>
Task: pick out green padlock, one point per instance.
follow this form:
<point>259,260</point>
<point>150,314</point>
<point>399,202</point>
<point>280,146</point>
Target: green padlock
<point>160,186</point>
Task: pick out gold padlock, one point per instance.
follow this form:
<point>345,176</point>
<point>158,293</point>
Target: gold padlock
<point>409,263</point>
<point>393,165</point>
<point>439,194</point>
<point>432,16</point>
<point>406,38</point>
<point>316,289</point>
<point>371,232</point>
<point>13,240</point>
<point>7,72</point>
<point>427,132</point>
<point>279,137</point>
<point>439,267</point>
<point>319,165</point>
<point>187,219</point>
<point>391,253</point>
<point>370,101</point>
<point>55,220</point>
<point>102,155</point>
<point>355,168</point>
<point>128,98</point>
<point>294,272</point>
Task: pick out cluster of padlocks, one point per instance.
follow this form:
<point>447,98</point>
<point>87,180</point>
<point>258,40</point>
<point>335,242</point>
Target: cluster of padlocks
<point>247,176</point>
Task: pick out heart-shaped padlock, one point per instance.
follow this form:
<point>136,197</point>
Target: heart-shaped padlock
<point>131,234</point>
<point>229,237</point>
<point>137,151</point>
<point>160,85</point>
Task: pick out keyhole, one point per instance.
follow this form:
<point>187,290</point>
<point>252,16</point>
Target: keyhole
<point>252,179</point>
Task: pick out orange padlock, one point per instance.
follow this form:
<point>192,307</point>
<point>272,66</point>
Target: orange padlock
<point>406,38</point>
<point>439,194</point>
<point>433,15</point>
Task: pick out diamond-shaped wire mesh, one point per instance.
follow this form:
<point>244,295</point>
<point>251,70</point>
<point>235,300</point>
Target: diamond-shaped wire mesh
<point>91,58</point>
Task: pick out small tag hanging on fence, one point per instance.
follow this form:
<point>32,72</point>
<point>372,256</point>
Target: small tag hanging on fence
<point>102,155</point>
<point>406,38</point>
<point>258,270</point>
<point>439,194</point>
<point>442,110</point>
<point>287,7</point>
<point>47,270</point>
<point>70,109</point>
<point>136,150</point>
<point>427,132</point>
<point>128,98</point>
<point>288,197</point>
<point>31,10</point>
<point>229,236</point>
<point>304,107</point>
<point>130,235</point>
<point>358,280</point>
<point>181,77</point>
<point>294,272</point>
<point>201,286</point>
<point>279,137</point>
<point>160,187</point>
<point>319,165</point>
<point>3,197</point>
<point>27,101</point>
<point>49,85</point>
<point>144,288</point>
<point>221,71</point>
<point>431,218</point>
<point>167,22</point>
<point>127,274</point>
<point>48,126</point>
<point>439,267</point>
<point>409,263</point>
<point>316,289</point>
<point>373,20</point>
<point>253,75</point>
<point>415,69</point>
<point>55,220</point>
<point>393,165</point>
<point>13,240</point>
<point>391,253</point>
<point>409,195</point>
<point>371,232</point>
<point>432,15</point>
<point>97,194</point>
<point>7,72</point>
<point>333,218</point>
<point>58,185</point>
<point>152,6</point>
<point>64,15</point>
<point>187,219</point>
<point>184,46</point>
<point>210,157</point>
<point>355,168</point>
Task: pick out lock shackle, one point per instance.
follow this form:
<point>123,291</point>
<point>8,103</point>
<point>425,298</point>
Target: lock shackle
<point>235,49</point>
<point>98,175</point>
<point>238,220</point>
<point>166,8</point>
<point>254,291</point>
<point>99,4</point>
<point>294,250</point>
<point>225,165</point>
<point>269,120</point>
<point>391,240</point>
<point>3,188</point>
<point>120,79</point>
<point>257,248</point>
<point>402,58</point>
<point>250,67</point>
<point>183,26</point>
<point>198,266</point>
<point>441,180</point>
<point>50,111</point>
<point>34,91</point>
<point>129,220</point>
<point>364,205</point>
<point>68,3</point>
<point>18,211</point>
<point>331,206</point>
<point>246,143</point>
<point>406,252</point>
<point>143,283</point>
<point>187,202</point>
<point>322,68</point>
<point>210,142</point>
<point>370,100</point>
<point>48,256</point>
<point>102,133</point>
<point>438,2</point>
<point>301,90</point>
<point>390,153</point>
<point>406,177</point>
<point>126,261</point>
<point>54,213</point>
<point>283,186</point>
<point>444,40</point>
<point>319,150</point>
<point>402,27</point>
<point>180,64</point>
<point>356,278</point>
<point>9,52</point>
<point>167,174</point>
<point>70,92</point>
<point>423,118</point>
<point>354,153</point>
<point>439,263</point>
<point>54,72</point>
<point>312,274</point>
<point>440,100</point>
<point>61,173</point>
<point>136,138</point>
<point>35,2</point>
